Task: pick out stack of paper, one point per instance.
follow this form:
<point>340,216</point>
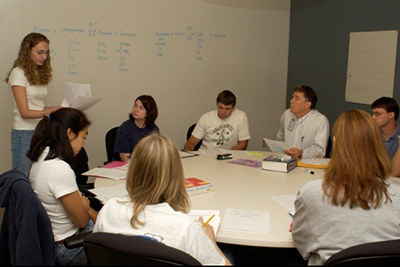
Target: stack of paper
<point>116,170</point>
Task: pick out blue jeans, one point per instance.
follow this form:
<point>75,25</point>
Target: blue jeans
<point>20,144</point>
<point>74,256</point>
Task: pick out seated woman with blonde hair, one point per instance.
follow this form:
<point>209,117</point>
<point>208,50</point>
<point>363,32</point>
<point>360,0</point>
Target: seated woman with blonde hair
<point>355,202</point>
<point>157,203</point>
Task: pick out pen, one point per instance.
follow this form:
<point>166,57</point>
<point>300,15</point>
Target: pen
<point>291,213</point>
<point>204,224</point>
<point>307,170</point>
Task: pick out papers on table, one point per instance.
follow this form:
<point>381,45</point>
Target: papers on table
<point>246,221</point>
<point>105,193</point>
<point>287,201</point>
<point>115,174</point>
<point>206,214</point>
<point>116,170</point>
<point>276,146</point>
<point>78,96</point>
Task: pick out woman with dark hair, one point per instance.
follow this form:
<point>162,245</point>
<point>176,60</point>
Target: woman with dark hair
<point>140,124</point>
<point>57,139</point>
<point>28,80</point>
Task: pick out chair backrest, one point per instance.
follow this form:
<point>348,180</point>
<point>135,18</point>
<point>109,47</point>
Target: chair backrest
<point>110,141</point>
<point>26,236</point>
<point>381,253</point>
<point>328,148</point>
<point>117,249</point>
<point>189,133</point>
<point>81,165</point>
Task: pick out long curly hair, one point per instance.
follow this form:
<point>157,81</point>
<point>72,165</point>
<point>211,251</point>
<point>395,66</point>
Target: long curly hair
<point>36,75</point>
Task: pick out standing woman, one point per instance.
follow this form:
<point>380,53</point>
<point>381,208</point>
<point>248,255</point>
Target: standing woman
<point>57,139</point>
<point>140,124</point>
<point>28,79</point>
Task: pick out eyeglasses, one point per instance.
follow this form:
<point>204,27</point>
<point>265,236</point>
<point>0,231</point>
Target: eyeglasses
<point>377,114</point>
<point>139,108</point>
<point>41,52</point>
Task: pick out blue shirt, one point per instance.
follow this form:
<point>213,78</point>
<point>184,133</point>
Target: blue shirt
<point>129,135</point>
<point>392,143</point>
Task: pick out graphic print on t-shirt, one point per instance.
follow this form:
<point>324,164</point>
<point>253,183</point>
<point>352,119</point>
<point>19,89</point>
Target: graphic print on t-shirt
<point>222,133</point>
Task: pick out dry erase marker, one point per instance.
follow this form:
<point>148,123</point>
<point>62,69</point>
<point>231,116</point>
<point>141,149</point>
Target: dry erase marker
<point>307,170</point>
<point>204,224</point>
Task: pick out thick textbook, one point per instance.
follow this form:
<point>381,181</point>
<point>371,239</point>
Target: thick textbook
<point>279,163</point>
<point>195,186</point>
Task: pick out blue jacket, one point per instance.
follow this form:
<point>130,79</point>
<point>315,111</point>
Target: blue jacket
<point>26,236</point>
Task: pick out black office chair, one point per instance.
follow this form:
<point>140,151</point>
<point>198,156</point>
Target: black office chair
<point>381,253</point>
<point>80,166</point>
<point>117,249</point>
<point>26,236</point>
<point>110,141</point>
<point>189,133</point>
<point>328,148</point>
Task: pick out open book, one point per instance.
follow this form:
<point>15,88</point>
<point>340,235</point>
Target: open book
<point>78,96</point>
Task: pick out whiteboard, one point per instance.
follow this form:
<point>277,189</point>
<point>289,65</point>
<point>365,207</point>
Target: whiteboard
<point>371,66</point>
<point>182,52</point>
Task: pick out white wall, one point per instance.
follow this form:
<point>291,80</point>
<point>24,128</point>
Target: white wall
<point>182,52</point>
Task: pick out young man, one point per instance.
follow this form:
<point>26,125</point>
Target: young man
<point>226,127</point>
<point>302,127</point>
<point>385,112</point>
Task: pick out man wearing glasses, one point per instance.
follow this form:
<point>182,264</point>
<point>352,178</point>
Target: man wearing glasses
<point>385,112</point>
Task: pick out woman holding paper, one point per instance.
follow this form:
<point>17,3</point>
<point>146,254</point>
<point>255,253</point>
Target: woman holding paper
<point>57,139</point>
<point>140,124</point>
<point>28,80</point>
<point>157,203</point>
<point>356,202</point>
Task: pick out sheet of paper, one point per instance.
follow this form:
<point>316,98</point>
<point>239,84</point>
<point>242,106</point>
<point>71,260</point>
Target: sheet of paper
<point>79,96</point>
<point>84,102</point>
<point>206,214</point>
<point>287,201</point>
<point>246,221</point>
<point>276,146</point>
<point>105,193</point>
<point>114,173</point>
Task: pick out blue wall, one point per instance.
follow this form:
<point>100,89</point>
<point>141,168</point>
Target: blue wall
<point>319,44</point>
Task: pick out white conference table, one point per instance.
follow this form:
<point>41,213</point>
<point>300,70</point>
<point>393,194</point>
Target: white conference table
<point>244,188</point>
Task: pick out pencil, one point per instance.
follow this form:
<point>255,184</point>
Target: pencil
<point>204,224</point>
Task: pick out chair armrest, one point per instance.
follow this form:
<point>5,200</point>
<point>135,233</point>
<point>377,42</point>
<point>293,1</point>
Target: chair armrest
<point>75,241</point>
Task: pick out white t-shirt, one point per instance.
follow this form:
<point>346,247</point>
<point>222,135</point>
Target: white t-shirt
<point>174,229</point>
<point>52,179</point>
<point>222,133</point>
<point>35,95</point>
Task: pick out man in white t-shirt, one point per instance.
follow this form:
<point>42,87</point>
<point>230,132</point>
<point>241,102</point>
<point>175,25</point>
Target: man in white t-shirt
<point>226,127</point>
<point>303,128</point>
